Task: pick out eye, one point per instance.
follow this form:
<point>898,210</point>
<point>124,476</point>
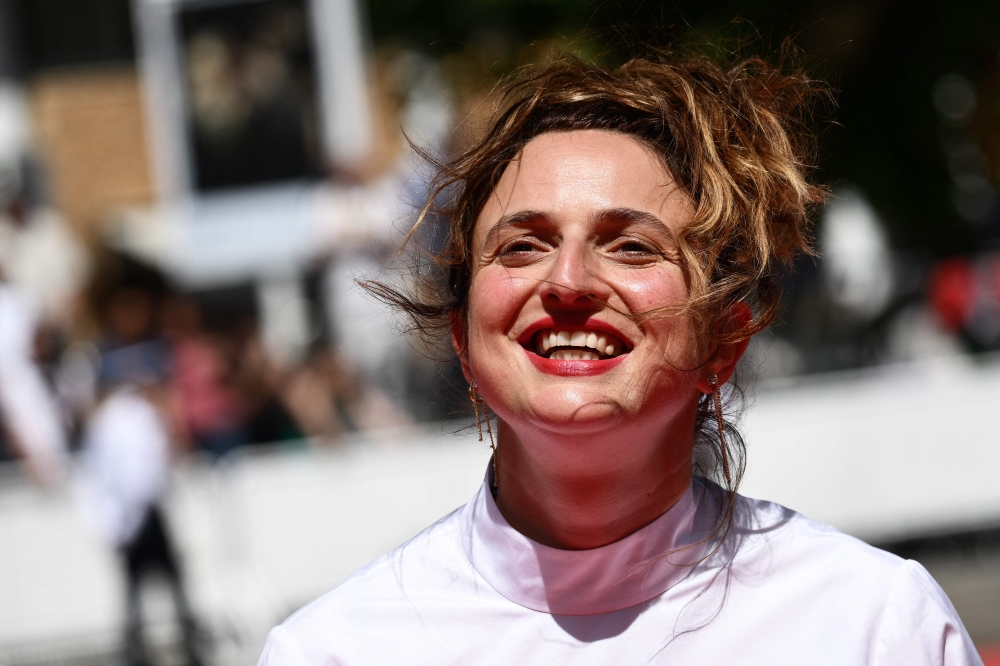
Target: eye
<point>633,247</point>
<point>633,251</point>
<point>519,246</point>
<point>520,251</point>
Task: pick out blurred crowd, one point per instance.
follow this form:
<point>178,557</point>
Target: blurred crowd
<point>109,370</point>
<point>79,325</point>
<point>863,302</point>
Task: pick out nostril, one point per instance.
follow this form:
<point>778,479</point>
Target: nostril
<point>572,297</point>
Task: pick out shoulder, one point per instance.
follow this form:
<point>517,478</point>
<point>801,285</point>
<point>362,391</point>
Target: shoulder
<point>421,566</point>
<point>777,542</point>
<point>767,529</point>
<point>391,591</point>
<point>920,619</point>
<point>818,572</point>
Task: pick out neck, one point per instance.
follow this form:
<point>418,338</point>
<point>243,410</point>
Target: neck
<point>578,492</point>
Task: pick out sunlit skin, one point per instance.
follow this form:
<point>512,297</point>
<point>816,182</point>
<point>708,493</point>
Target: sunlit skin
<point>577,236</point>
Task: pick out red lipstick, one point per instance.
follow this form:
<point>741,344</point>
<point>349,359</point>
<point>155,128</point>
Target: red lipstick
<point>552,366</point>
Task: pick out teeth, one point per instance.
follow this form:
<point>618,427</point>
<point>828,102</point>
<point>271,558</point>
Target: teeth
<point>574,355</point>
<point>601,344</point>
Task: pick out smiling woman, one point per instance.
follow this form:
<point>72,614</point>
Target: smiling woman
<point>615,239</point>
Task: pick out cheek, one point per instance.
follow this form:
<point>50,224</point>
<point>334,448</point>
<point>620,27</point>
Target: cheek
<point>495,299</point>
<point>661,293</point>
<point>645,290</point>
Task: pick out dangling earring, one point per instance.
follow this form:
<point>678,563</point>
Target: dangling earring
<point>477,402</point>
<point>713,382</point>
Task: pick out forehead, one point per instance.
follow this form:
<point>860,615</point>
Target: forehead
<point>565,174</point>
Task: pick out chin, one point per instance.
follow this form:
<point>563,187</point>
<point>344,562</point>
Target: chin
<point>575,416</point>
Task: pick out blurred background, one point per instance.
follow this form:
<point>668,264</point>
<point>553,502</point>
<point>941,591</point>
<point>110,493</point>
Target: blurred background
<point>204,423</point>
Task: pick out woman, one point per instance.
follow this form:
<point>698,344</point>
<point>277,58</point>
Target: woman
<point>615,241</point>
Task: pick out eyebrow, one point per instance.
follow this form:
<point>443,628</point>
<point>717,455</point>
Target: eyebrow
<point>513,220</point>
<point>633,216</point>
<point>621,214</point>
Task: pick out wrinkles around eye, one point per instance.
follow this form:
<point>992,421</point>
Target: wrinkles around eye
<point>519,251</point>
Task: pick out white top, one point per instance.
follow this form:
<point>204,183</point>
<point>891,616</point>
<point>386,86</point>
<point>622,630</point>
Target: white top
<point>27,406</point>
<point>780,589</point>
<point>126,464</point>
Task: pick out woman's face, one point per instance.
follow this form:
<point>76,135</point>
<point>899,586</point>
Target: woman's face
<point>577,236</point>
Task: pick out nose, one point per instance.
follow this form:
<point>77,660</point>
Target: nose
<point>574,281</point>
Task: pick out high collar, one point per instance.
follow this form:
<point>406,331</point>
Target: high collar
<point>627,572</point>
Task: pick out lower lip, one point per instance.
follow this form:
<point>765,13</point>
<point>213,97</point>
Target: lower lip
<point>551,366</point>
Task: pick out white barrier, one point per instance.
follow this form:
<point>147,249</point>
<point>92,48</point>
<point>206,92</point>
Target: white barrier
<point>883,454</point>
<point>276,529</point>
<point>260,534</point>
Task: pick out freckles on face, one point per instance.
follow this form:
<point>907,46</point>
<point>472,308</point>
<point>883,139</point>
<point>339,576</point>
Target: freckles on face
<point>577,238</point>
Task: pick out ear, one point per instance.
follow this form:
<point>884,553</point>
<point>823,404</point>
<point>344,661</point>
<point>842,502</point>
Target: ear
<point>723,362</point>
<point>459,342</point>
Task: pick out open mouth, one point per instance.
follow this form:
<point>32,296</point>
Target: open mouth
<point>580,345</point>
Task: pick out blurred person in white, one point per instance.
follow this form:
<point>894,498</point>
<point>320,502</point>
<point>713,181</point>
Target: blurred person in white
<point>126,462</point>
<point>32,426</point>
<point>42,266</point>
<point>616,237</point>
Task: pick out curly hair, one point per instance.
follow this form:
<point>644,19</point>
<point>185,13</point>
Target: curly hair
<point>737,141</point>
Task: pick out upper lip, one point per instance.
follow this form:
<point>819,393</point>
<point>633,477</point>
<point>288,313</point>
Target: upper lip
<point>595,325</point>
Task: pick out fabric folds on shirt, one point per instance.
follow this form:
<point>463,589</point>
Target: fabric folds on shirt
<point>635,569</point>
